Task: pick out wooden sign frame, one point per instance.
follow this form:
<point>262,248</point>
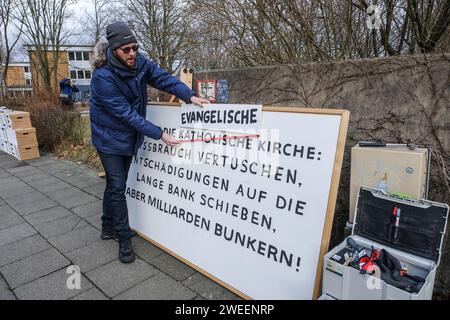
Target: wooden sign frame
<point>334,186</point>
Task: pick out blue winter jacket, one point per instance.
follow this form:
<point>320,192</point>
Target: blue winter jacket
<point>68,89</point>
<point>118,105</point>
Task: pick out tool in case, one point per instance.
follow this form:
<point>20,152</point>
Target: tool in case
<point>393,253</point>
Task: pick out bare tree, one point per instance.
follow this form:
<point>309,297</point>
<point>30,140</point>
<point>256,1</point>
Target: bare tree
<point>2,53</point>
<point>161,27</point>
<point>407,23</point>
<point>7,8</point>
<point>264,32</point>
<point>43,22</point>
<point>95,22</point>
<point>1,68</point>
<point>207,47</point>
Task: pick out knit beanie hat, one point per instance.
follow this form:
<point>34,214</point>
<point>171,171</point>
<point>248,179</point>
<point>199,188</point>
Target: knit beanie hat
<point>119,34</point>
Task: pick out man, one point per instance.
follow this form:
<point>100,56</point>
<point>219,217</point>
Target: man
<point>117,111</point>
<point>66,92</point>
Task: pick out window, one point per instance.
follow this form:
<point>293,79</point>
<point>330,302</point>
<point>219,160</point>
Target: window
<point>28,82</point>
<point>87,74</point>
<point>73,74</point>
<point>26,69</point>
<point>78,55</point>
<point>80,74</point>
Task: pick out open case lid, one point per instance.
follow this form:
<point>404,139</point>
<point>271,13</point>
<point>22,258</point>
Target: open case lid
<point>421,223</point>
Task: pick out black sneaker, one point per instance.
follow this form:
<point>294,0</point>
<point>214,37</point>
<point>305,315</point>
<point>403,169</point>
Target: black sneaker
<point>126,254</point>
<point>133,233</point>
<point>107,235</point>
<point>113,235</point>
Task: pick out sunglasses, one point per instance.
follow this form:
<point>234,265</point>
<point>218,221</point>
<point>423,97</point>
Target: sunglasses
<point>127,50</point>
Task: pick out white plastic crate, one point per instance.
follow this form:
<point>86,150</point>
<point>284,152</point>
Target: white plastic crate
<point>417,245</point>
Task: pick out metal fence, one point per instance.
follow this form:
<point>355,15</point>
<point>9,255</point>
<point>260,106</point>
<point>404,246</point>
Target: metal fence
<point>83,95</point>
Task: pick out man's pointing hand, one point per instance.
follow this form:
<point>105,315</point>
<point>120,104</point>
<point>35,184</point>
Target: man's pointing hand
<point>199,101</point>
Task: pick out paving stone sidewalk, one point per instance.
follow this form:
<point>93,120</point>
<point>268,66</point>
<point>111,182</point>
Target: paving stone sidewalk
<point>50,220</point>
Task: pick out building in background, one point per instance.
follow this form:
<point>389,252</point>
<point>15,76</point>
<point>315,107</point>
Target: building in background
<point>73,62</point>
<point>18,81</point>
<point>80,70</point>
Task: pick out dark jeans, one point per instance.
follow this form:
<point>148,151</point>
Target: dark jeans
<point>115,211</point>
<point>66,103</point>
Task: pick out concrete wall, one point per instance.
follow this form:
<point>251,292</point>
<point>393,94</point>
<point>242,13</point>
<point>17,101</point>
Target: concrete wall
<point>398,100</point>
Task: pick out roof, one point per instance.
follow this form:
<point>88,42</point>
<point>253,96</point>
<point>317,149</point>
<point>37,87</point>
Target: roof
<point>17,64</point>
<point>80,47</point>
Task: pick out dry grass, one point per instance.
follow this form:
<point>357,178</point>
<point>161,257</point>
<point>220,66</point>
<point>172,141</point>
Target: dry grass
<point>82,151</point>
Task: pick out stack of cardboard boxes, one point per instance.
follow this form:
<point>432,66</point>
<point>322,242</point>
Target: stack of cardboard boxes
<point>17,136</point>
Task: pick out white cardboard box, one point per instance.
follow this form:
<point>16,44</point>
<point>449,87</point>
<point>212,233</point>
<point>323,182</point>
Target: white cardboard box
<point>13,150</point>
<point>3,121</point>
<point>3,133</point>
<point>4,146</point>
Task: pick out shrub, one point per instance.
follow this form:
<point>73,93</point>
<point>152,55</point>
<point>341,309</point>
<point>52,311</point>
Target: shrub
<point>53,124</point>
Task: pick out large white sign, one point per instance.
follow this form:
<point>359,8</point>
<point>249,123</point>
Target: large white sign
<point>249,211</point>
